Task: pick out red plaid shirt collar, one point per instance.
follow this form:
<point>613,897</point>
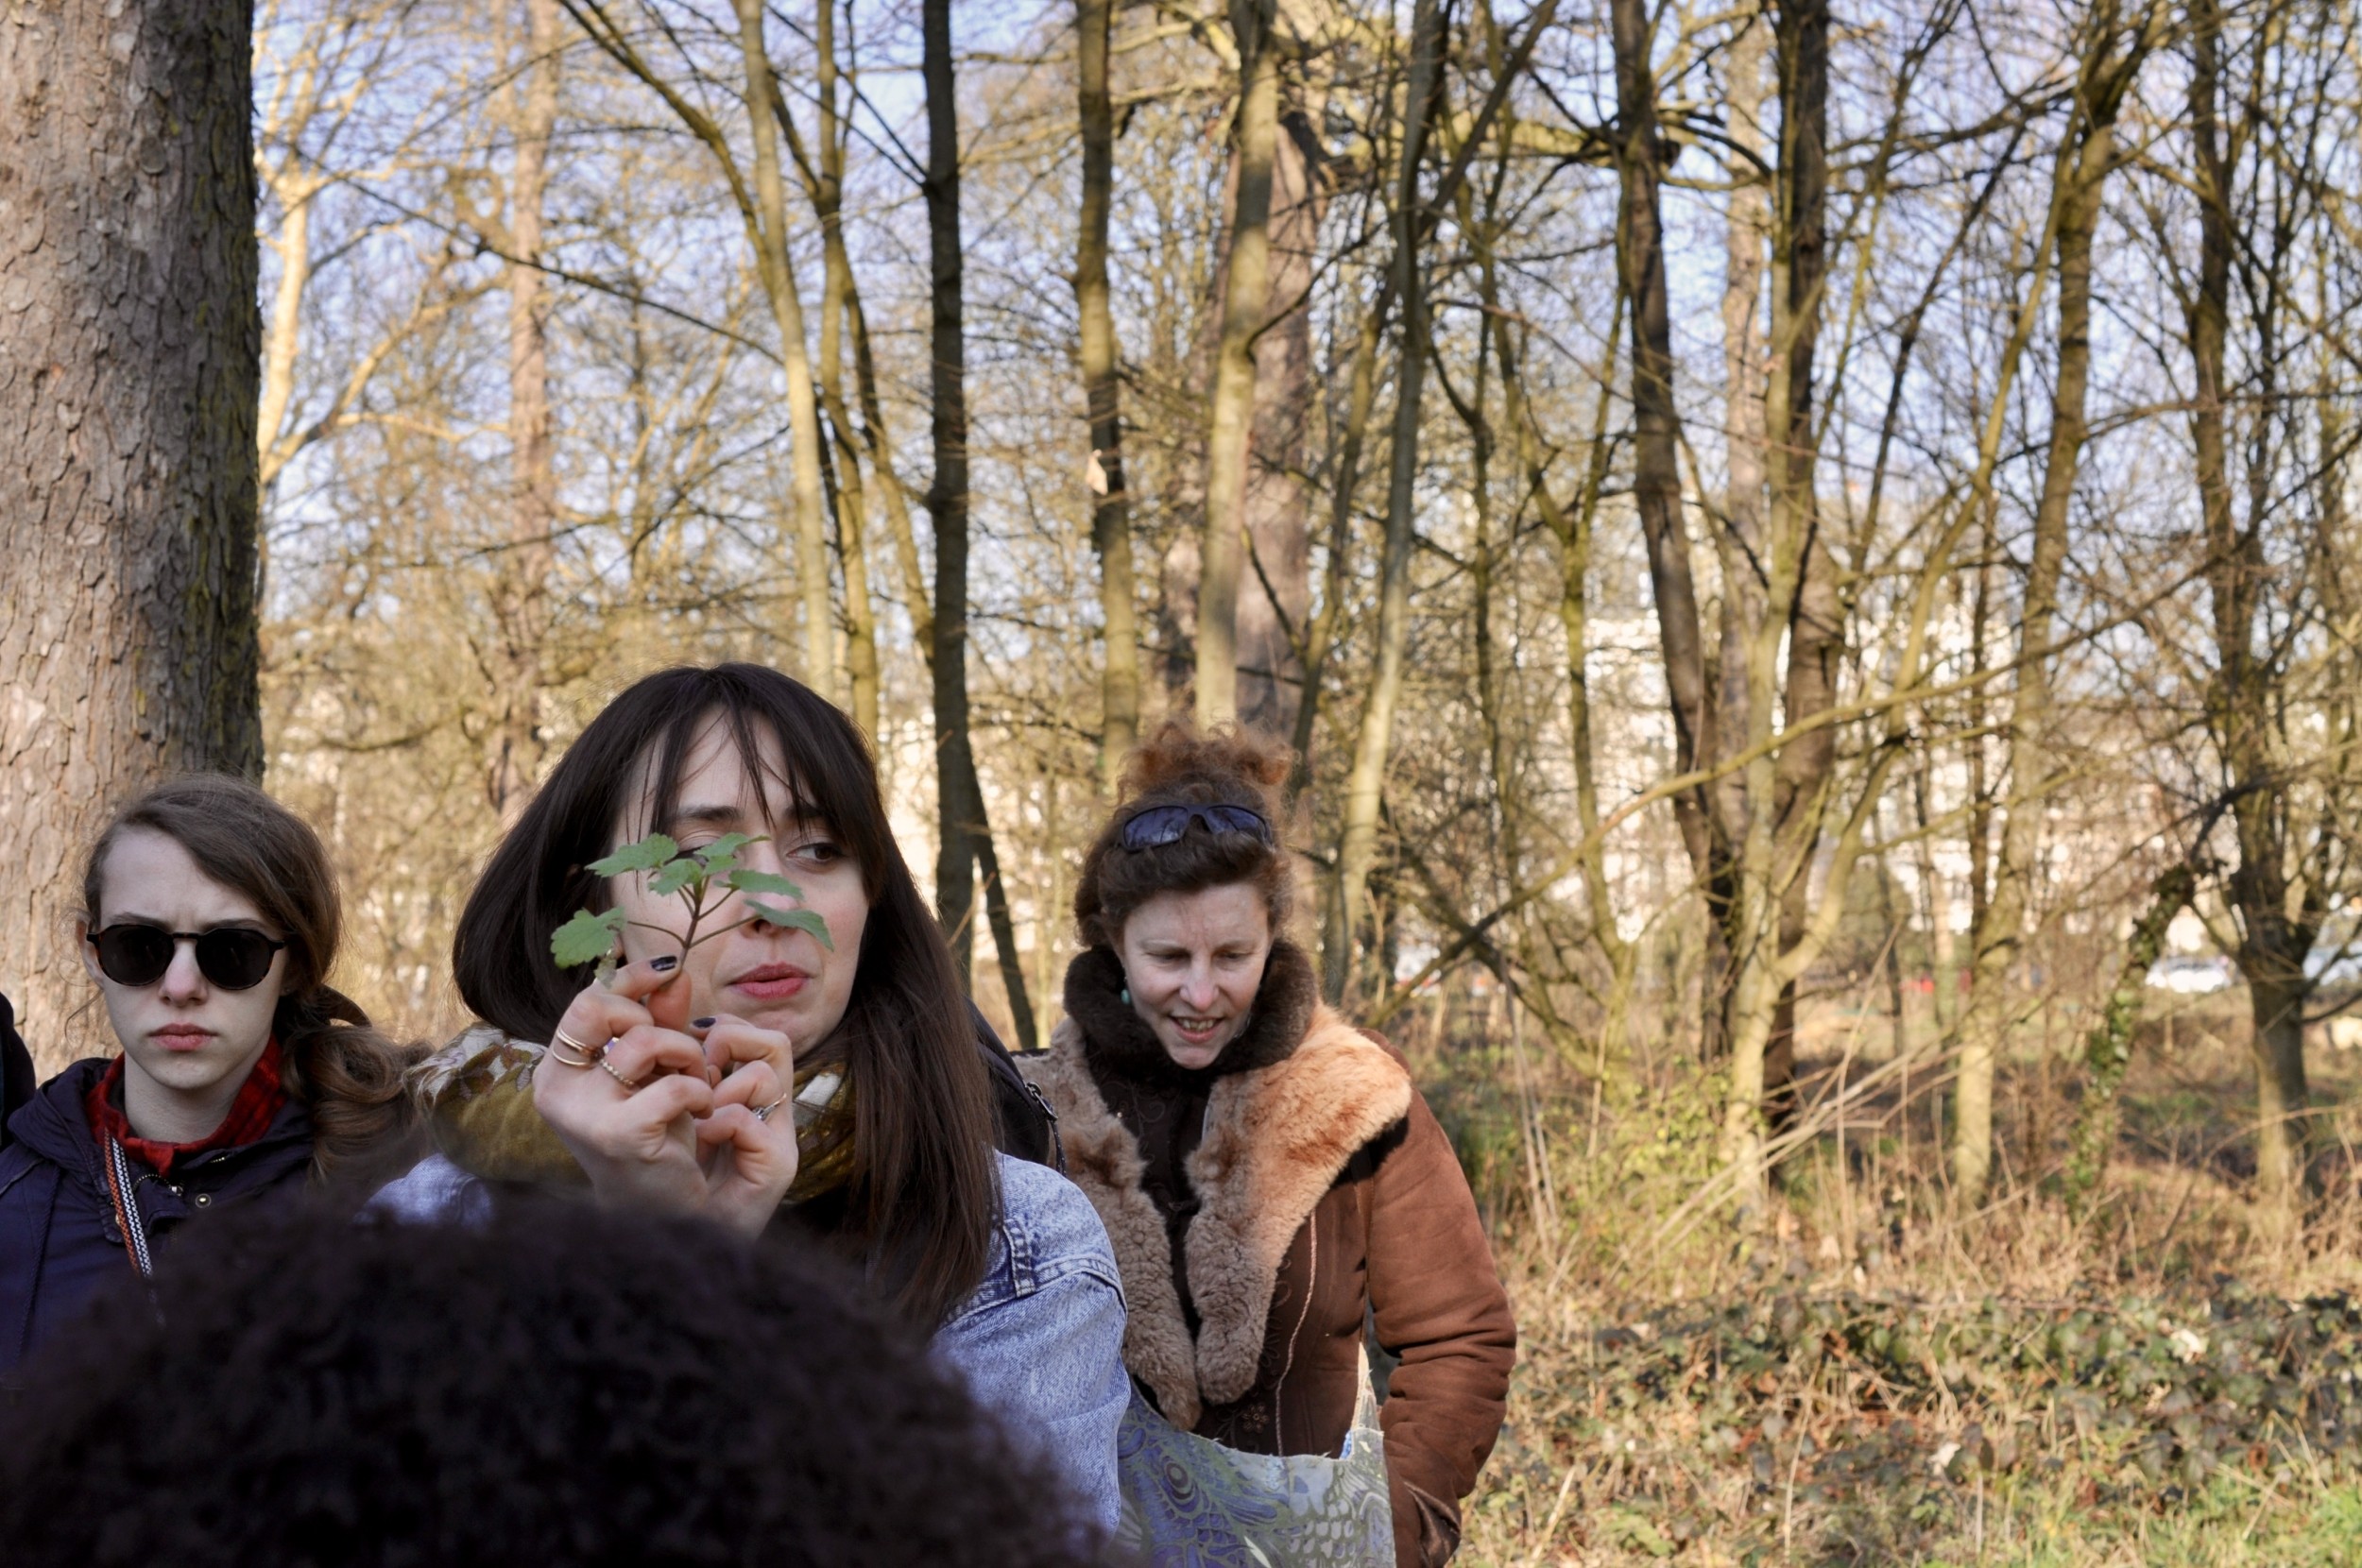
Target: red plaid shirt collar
<point>260,1099</point>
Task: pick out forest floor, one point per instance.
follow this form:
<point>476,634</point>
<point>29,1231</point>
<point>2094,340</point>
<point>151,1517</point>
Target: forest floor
<point>1870,1379</point>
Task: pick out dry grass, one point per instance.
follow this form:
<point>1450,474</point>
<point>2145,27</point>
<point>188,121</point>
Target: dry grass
<point>1692,1394</point>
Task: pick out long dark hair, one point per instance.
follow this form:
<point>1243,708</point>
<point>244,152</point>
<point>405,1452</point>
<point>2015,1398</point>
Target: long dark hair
<point>347,1074</point>
<point>922,1200</point>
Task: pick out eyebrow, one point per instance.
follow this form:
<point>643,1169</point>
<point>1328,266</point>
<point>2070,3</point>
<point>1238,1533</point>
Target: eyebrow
<point>731,814</point>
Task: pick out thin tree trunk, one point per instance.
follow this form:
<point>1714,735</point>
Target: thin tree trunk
<point>1360,399</point>
<point>947,499</point>
<point>879,442</point>
<point>1656,475</point>
<point>129,375</point>
<point>515,740</point>
<point>1231,422</point>
<point>852,509</point>
<point>1111,518</point>
<point>967,836</point>
<point>810,504</point>
<point>2083,163</point>
<point>1814,623</point>
<point>1273,606</point>
<point>1366,784</point>
<point>282,339</point>
<point>2273,946</point>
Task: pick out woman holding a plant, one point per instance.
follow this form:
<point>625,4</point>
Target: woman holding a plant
<point>708,985</point>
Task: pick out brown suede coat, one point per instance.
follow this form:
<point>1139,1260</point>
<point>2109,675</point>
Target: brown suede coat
<point>1260,1208</point>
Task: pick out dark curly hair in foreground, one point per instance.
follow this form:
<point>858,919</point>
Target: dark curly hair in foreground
<point>557,1387</point>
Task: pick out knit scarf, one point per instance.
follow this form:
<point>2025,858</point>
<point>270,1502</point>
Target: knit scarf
<point>478,1095</point>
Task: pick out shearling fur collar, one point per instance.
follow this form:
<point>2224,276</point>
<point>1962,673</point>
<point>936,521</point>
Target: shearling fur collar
<point>1276,1137</point>
<point>1120,1042</point>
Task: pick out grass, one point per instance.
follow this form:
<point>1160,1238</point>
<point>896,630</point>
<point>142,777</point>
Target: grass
<point>1872,1377</point>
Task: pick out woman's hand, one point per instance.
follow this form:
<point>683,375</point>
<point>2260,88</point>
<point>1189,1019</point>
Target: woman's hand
<point>629,1118</point>
<point>663,1119</point>
<point>751,1157</point>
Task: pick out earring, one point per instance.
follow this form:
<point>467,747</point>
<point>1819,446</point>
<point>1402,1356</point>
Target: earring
<point>1128,995</point>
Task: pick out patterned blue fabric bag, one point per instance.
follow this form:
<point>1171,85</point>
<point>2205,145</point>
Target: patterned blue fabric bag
<point>1190,1502</point>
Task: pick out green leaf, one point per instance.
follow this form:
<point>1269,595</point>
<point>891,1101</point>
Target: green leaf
<point>649,854</point>
<point>723,852</point>
<point>674,876</point>
<point>585,939</point>
<point>798,920</point>
<point>744,880</point>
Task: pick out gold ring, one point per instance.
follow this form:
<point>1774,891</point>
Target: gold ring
<point>583,1055</point>
<point>764,1113</point>
<point>629,1085</point>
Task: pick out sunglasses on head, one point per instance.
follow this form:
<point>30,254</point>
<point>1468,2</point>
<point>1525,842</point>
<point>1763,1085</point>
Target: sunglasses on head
<point>1160,825</point>
<point>233,957</point>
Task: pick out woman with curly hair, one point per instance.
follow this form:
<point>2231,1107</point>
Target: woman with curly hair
<point>1268,1174</point>
<point>209,924</point>
<point>655,1088</point>
<point>558,1386</point>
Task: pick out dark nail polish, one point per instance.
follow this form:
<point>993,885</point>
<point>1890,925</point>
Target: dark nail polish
<point>665,965</point>
<point>701,1023</point>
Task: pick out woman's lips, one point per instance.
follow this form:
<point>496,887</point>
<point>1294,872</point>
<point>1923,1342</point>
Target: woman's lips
<point>183,1039</point>
<point>771,983</point>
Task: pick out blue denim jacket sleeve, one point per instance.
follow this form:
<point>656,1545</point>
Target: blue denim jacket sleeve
<point>1041,1341</point>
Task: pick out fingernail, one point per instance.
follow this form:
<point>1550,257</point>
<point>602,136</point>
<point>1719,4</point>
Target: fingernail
<point>701,1023</point>
<point>665,965</point>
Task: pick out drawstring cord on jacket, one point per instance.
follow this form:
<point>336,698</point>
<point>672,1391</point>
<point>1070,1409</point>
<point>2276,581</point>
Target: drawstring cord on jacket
<point>120,1187</point>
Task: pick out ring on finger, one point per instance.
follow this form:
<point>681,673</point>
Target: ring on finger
<point>764,1112</point>
<point>583,1055</point>
<point>627,1083</point>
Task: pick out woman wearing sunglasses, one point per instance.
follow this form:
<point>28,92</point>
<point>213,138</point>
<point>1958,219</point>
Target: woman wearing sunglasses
<point>1271,1181</point>
<point>764,1077</point>
<point>209,922</point>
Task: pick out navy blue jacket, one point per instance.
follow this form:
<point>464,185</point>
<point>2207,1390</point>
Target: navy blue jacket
<point>58,1239</point>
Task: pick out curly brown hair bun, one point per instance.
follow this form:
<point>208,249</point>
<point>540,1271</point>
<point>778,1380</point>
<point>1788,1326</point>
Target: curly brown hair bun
<point>1179,766</point>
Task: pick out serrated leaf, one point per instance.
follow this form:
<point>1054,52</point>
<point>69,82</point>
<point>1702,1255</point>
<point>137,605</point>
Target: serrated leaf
<point>744,880</point>
<point>672,877</point>
<point>649,854</point>
<point>724,851</point>
<point>585,939</point>
<point>797,920</point>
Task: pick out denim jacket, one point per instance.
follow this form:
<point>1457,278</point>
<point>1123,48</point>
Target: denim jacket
<point>1039,1343</point>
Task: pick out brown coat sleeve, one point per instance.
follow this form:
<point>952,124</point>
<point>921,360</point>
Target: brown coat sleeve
<point>1440,1306</point>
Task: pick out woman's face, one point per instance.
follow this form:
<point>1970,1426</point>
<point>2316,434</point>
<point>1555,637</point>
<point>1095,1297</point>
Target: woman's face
<point>1193,962</point>
<point>768,974</point>
<point>183,1034</point>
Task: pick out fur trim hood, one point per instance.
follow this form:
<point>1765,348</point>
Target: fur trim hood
<point>1278,1132</point>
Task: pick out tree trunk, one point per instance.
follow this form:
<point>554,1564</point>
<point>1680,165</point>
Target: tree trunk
<point>1815,623</point>
<point>2084,164</point>
<point>1273,604</point>
<point>515,740</point>
<point>809,502</point>
<point>129,355</point>
<point>959,801</point>
<point>1231,425</point>
<point>836,298</point>
<point>1656,477</point>
<point>1366,784</point>
<point>1111,509</point>
<point>2272,947</point>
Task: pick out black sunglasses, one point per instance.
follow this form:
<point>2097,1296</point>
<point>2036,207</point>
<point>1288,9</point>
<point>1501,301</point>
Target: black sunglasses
<point>1160,825</point>
<point>233,957</point>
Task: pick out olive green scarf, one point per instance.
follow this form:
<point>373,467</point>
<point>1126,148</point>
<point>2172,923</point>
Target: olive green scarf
<point>477,1095</point>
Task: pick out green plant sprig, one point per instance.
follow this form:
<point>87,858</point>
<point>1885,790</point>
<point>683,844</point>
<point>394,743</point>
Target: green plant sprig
<point>703,879</point>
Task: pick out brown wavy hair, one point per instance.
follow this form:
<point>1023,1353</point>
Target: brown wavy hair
<point>1179,766</point>
<point>349,1075</point>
